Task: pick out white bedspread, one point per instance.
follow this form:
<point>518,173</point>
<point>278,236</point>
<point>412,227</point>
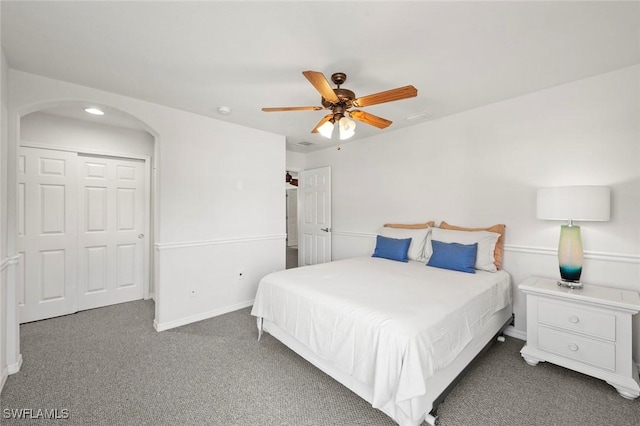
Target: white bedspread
<point>389,324</point>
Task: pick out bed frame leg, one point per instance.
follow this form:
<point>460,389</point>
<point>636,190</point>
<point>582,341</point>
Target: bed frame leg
<point>260,329</point>
<point>431,419</point>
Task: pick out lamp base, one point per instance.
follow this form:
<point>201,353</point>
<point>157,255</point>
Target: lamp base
<point>570,284</point>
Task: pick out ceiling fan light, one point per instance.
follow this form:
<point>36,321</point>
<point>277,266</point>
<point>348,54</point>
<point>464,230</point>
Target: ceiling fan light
<point>326,129</point>
<point>347,128</point>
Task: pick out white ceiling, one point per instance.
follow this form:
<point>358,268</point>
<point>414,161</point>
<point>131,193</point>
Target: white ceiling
<point>197,56</point>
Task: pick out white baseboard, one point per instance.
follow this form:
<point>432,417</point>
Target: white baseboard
<point>3,378</point>
<point>512,332</point>
<point>162,326</point>
<point>16,366</point>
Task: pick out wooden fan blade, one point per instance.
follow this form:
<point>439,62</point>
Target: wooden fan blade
<point>324,120</point>
<point>387,96</point>
<point>374,120</point>
<point>302,108</point>
<point>321,84</point>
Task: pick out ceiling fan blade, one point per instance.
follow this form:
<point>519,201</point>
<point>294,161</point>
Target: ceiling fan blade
<point>301,108</point>
<point>321,84</point>
<point>374,120</point>
<point>324,120</point>
<point>387,96</point>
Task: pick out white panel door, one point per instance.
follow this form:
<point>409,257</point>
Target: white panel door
<point>46,221</point>
<point>110,230</point>
<point>314,233</point>
<point>292,217</point>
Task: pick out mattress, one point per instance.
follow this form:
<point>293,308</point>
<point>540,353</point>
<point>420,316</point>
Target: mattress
<point>390,325</point>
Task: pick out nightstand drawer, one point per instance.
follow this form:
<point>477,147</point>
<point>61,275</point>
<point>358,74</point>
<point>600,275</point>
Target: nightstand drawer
<point>572,318</point>
<point>582,349</point>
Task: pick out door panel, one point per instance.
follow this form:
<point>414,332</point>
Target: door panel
<point>96,258</point>
<point>314,234</point>
<point>47,233</point>
<point>112,217</point>
<point>52,275</point>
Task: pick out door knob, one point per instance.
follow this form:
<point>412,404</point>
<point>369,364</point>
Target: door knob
<point>140,236</point>
<point>325,229</point>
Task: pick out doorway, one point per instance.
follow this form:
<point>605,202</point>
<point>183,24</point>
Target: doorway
<point>292,225</point>
<point>85,214</point>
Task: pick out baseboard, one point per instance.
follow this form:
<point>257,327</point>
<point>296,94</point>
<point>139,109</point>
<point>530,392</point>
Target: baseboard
<point>3,378</point>
<point>162,326</point>
<point>16,366</point>
<point>511,331</point>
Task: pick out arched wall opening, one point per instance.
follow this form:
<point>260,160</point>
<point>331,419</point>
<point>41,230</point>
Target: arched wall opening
<point>66,114</point>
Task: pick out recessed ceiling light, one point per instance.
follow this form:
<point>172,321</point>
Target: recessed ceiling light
<point>94,111</point>
<point>224,110</point>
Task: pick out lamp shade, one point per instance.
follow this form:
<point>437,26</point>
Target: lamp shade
<point>326,129</point>
<point>580,203</point>
<point>347,128</point>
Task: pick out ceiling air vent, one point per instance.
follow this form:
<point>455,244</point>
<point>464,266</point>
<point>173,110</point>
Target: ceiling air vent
<point>304,143</point>
<point>425,115</point>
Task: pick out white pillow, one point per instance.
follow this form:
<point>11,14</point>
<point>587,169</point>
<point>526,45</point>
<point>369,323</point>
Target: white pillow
<point>486,244</point>
<point>420,240</point>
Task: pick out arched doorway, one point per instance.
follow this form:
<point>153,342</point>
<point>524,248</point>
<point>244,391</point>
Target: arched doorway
<point>83,210</point>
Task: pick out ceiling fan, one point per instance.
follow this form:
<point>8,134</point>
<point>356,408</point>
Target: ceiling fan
<point>340,101</point>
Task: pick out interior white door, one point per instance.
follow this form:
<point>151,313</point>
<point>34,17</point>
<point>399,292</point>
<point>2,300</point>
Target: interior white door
<point>314,233</point>
<point>46,221</point>
<point>110,230</point>
<point>292,217</point>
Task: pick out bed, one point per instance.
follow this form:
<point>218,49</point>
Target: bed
<point>397,333</point>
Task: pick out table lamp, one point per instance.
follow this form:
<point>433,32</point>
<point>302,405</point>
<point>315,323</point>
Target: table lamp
<point>573,203</point>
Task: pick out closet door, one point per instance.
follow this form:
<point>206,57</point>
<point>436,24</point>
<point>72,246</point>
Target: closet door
<point>81,221</point>
<point>47,239</point>
<point>110,230</point>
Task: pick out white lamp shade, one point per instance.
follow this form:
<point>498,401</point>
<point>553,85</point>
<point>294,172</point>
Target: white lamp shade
<point>326,129</point>
<point>580,203</point>
<point>347,128</point>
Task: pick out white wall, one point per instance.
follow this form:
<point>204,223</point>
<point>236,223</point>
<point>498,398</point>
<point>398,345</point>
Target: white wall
<point>219,204</point>
<point>60,132</point>
<point>483,167</point>
<point>295,161</point>
<point>4,260</point>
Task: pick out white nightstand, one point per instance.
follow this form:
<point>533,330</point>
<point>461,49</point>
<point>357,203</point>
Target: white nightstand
<point>587,330</point>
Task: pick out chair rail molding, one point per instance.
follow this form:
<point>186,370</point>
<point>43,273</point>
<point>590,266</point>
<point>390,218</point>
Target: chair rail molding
<point>543,251</point>
<point>596,255</point>
<point>10,261</point>
<point>200,243</point>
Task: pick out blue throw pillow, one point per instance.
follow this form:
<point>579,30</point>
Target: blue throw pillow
<point>454,256</point>
<point>392,248</point>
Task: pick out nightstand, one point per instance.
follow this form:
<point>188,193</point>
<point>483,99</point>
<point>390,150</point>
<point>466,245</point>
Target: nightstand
<point>587,330</point>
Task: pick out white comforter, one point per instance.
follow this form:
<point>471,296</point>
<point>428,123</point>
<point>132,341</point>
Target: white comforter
<point>389,324</point>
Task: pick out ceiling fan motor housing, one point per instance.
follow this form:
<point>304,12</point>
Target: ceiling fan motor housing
<point>345,96</point>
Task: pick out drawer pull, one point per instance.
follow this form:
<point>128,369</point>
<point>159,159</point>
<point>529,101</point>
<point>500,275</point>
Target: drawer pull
<point>574,319</point>
<point>573,347</point>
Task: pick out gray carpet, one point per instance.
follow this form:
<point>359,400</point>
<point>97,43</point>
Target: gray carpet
<point>108,366</point>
